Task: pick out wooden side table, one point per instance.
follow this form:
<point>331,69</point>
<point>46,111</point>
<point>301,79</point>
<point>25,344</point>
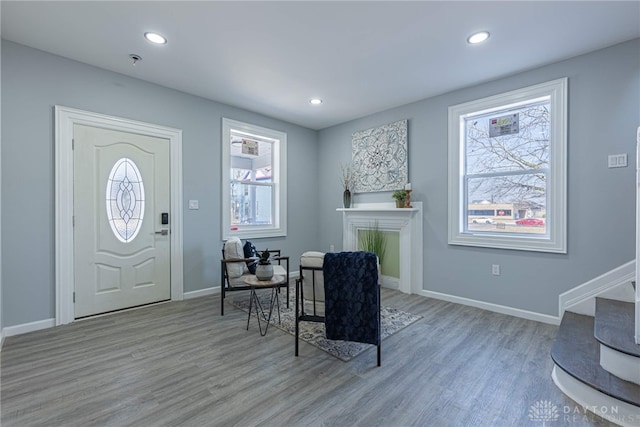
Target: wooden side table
<point>274,285</point>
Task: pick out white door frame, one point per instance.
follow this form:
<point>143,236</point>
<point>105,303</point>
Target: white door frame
<point>65,119</point>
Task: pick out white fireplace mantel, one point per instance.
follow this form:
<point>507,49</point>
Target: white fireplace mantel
<point>406,221</point>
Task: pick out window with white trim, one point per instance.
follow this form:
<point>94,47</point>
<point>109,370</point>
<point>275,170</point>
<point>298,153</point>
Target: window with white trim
<point>253,181</point>
<point>507,170</point>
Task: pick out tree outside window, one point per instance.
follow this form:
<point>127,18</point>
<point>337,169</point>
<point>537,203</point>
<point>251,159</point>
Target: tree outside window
<point>507,170</point>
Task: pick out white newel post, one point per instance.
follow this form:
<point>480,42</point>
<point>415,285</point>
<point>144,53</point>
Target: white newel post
<point>406,221</point>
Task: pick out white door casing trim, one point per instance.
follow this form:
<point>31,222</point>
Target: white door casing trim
<point>65,119</point>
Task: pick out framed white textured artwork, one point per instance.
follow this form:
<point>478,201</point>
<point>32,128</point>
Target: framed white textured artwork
<point>379,157</point>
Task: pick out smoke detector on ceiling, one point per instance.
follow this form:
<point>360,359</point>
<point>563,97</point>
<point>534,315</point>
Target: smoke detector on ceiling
<point>135,58</point>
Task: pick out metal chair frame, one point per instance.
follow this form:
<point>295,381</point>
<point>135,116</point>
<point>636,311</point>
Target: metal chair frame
<point>225,285</point>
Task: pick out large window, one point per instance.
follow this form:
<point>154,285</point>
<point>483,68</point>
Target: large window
<point>507,170</point>
<point>253,181</point>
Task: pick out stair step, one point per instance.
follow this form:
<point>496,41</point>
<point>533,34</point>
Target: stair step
<point>614,326</point>
<point>576,351</point>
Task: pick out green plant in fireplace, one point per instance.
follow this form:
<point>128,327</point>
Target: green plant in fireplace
<point>373,240</point>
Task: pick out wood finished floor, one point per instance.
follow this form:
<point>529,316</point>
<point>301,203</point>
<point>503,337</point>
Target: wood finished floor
<point>182,364</point>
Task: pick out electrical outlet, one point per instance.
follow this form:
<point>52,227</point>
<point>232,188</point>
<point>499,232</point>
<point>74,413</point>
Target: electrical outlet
<point>495,269</point>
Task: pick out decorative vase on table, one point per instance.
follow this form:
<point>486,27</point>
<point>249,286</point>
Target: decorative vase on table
<point>264,272</point>
<point>346,198</point>
<point>264,269</point>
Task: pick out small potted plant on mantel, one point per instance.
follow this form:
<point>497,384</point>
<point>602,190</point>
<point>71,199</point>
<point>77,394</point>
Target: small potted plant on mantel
<point>399,196</point>
<point>264,269</point>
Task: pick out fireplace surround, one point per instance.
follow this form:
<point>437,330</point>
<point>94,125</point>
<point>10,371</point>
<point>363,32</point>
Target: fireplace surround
<point>406,221</point>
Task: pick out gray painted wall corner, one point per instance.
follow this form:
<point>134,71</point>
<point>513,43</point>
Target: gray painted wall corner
<point>604,88</point>
<point>35,81</point>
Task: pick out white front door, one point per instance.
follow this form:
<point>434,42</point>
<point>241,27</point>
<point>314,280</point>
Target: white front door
<point>121,220</point>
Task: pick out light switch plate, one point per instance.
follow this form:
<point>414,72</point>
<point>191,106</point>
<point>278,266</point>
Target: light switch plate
<point>495,269</point>
<point>193,204</point>
<point>618,160</point>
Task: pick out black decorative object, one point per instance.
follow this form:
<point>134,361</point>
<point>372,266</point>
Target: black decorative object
<point>346,198</point>
<point>347,179</point>
<point>352,300</point>
<point>250,251</point>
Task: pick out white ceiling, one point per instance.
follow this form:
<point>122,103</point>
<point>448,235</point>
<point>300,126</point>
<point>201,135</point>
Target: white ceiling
<point>360,57</point>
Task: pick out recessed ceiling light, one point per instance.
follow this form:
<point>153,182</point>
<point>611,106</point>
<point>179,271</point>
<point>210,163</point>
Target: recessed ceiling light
<point>478,37</point>
<point>155,38</point>
<point>315,101</point>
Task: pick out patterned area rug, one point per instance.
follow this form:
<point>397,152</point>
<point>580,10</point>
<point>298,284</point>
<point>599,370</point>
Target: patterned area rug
<point>393,320</point>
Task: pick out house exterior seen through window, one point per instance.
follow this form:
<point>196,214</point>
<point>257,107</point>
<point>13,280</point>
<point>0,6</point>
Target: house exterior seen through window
<point>254,194</point>
<point>507,170</point>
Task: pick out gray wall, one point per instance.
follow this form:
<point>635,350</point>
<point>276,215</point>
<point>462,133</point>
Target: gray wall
<point>32,83</point>
<point>604,111</point>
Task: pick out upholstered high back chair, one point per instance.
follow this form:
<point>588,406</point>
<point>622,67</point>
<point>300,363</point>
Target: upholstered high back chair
<point>342,291</point>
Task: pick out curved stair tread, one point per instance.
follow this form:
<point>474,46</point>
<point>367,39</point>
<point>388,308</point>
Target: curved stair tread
<point>614,326</point>
<point>577,352</point>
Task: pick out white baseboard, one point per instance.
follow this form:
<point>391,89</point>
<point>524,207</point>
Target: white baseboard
<point>10,331</point>
<point>202,292</point>
<point>50,323</point>
<point>216,289</point>
<point>502,309</point>
<point>390,282</point>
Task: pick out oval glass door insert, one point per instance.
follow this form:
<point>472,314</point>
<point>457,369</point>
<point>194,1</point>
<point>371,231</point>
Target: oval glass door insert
<point>125,200</point>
